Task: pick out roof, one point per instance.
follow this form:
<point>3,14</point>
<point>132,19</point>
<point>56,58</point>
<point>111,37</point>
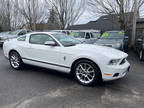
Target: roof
<point>140,20</point>
<point>100,24</point>
<point>106,23</point>
<point>51,33</point>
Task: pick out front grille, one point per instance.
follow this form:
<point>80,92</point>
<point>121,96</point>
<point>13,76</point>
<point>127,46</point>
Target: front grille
<point>123,61</point>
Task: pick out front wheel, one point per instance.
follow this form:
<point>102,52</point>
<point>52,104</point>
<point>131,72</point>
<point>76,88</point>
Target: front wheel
<point>15,60</point>
<point>87,73</point>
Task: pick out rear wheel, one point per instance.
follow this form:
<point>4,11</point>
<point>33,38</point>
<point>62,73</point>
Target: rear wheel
<point>15,60</point>
<point>141,55</point>
<point>87,73</point>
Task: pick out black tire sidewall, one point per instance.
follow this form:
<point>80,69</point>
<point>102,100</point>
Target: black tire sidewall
<point>97,77</point>
<point>20,60</point>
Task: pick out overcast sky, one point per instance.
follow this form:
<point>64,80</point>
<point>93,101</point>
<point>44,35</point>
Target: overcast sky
<point>86,17</point>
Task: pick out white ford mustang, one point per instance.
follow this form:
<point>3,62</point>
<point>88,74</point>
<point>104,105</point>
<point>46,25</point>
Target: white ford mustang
<point>88,63</point>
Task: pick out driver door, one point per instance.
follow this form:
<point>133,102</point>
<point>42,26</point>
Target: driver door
<point>36,50</point>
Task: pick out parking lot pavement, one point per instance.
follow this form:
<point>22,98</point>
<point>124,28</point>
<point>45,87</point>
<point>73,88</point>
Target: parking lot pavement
<point>35,87</point>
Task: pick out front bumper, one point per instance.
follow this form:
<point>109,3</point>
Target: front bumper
<point>116,72</point>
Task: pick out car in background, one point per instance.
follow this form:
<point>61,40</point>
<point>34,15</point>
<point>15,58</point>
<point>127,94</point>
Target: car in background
<point>139,47</point>
<point>2,39</point>
<point>114,39</point>
<point>86,36</point>
<point>89,64</point>
<point>62,31</point>
<point>13,34</point>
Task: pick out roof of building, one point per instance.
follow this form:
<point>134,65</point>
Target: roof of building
<point>105,23</point>
<point>140,20</point>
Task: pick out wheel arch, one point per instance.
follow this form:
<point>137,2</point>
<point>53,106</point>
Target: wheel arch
<point>12,51</point>
<point>72,66</point>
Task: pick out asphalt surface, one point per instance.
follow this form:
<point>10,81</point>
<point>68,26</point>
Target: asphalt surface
<point>35,87</point>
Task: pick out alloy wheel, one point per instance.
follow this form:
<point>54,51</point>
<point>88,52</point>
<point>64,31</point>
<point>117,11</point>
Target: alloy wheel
<point>85,73</point>
<point>14,60</point>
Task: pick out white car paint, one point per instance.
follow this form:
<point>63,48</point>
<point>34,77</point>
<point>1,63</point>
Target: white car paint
<point>61,58</point>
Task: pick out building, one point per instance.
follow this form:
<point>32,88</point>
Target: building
<point>105,23</point>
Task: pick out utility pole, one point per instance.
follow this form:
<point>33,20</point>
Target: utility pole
<point>134,24</point>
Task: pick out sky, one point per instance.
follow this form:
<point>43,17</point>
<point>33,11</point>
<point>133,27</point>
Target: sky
<point>86,17</point>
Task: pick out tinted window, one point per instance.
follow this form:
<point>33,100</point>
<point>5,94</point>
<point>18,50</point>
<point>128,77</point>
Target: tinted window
<point>14,32</point>
<point>29,31</point>
<point>87,36</point>
<point>113,35</point>
<point>96,34</point>
<point>23,38</point>
<point>22,33</point>
<point>66,40</point>
<point>79,34</point>
<point>40,39</point>
<point>92,36</point>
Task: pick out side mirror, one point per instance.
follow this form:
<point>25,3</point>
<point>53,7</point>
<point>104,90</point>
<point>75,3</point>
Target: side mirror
<point>50,43</point>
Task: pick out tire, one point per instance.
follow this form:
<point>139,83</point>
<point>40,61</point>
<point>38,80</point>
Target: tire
<point>15,60</point>
<point>141,56</point>
<point>86,73</point>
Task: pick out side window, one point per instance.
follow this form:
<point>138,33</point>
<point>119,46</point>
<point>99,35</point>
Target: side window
<point>40,39</point>
<point>22,33</point>
<point>87,36</point>
<point>92,36</point>
<point>28,31</point>
<point>23,38</point>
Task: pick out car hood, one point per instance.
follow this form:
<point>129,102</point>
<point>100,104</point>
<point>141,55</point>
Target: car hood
<point>3,34</point>
<point>108,41</point>
<point>96,49</point>
<point>9,36</point>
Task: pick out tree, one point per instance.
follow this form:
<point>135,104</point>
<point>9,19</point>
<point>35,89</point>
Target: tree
<point>68,11</point>
<point>134,24</point>
<point>5,14</point>
<point>33,11</point>
<point>118,7</point>
<point>53,22</point>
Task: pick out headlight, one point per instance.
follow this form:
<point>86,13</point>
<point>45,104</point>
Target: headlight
<point>116,45</point>
<point>114,62</point>
<point>4,38</point>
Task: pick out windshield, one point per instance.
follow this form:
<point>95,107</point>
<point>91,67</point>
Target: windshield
<point>15,32</point>
<point>79,34</point>
<point>112,35</point>
<point>66,40</point>
<point>96,34</point>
